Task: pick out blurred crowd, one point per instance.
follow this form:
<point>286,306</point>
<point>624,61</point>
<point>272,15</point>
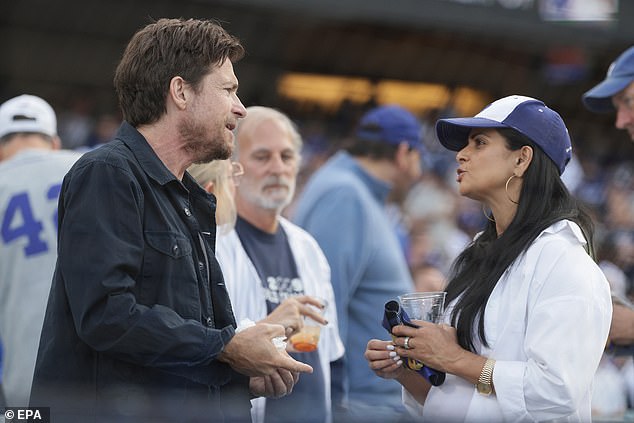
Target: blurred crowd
<point>434,223</point>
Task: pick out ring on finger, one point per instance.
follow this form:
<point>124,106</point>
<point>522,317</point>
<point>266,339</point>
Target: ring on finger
<point>406,343</point>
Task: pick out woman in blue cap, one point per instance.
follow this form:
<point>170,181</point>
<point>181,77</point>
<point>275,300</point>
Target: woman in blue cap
<point>528,309</point>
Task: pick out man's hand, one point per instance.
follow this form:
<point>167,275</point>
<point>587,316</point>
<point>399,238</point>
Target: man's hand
<point>252,352</point>
<point>291,311</point>
<point>275,385</point>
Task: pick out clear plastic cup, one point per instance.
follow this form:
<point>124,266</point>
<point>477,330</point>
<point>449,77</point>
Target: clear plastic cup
<point>427,306</point>
<point>307,339</point>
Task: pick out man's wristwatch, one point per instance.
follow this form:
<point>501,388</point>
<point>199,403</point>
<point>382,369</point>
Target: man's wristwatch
<point>485,382</point>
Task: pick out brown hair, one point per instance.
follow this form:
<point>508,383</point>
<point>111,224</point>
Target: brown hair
<point>165,49</point>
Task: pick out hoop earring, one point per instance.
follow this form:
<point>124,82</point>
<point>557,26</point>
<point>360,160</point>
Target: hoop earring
<point>506,188</point>
<point>486,214</point>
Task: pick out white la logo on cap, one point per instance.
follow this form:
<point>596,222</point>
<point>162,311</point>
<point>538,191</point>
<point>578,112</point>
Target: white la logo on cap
<point>500,109</point>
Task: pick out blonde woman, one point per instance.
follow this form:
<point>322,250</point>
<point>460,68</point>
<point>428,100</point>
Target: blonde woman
<point>220,178</point>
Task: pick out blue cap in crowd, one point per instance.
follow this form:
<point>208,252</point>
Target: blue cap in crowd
<point>526,115</point>
<point>620,75</point>
<point>391,124</point>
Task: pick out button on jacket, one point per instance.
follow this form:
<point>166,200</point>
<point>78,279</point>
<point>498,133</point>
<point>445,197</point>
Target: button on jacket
<point>138,311</point>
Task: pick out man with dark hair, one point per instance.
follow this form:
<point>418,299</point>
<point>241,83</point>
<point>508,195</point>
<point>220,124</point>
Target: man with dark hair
<point>139,326</point>
<point>343,207</point>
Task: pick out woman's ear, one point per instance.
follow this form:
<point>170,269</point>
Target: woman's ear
<point>523,160</point>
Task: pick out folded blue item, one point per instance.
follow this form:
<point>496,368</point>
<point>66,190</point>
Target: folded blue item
<point>395,315</point>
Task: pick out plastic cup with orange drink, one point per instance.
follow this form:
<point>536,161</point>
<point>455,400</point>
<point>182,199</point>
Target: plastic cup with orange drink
<point>307,339</point>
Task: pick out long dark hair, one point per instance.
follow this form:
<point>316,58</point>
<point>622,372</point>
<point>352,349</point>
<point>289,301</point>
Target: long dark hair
<point>544,200</point>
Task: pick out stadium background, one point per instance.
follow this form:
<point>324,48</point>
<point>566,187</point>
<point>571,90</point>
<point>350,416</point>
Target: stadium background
<point>323,58</point>
<point>326,61</point>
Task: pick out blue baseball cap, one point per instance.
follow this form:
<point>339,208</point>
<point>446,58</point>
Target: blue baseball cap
<point>620,75</point>
<point>528,116</point>
<point>391,124</point>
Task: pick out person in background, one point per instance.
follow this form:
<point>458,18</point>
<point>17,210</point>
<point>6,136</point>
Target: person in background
<point>3,401</point>
<point>31,173</point>
<point>528,306</point>
<point>139,326</point>
<point>220,178</point>
<point>616,94</point>
<point>343,207</point>
<point>275,272</point>
<point>610,390</point>
<point>428,278</point>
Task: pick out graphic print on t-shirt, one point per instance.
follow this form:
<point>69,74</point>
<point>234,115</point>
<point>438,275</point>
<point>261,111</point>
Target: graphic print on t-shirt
<point>272,258</point>
<point>279,288</point>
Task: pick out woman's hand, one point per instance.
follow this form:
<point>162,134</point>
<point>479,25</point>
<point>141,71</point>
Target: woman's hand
<point>383,360</point>
<point>434,345</point>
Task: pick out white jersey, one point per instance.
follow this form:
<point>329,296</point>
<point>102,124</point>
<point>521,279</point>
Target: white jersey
<point>248,300</point>
<point>30,183</point>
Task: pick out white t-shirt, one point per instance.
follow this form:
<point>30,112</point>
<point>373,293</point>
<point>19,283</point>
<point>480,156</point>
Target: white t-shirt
<point>546,322</point>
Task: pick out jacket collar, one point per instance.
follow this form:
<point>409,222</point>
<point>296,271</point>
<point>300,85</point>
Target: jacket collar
<point>145,155</point>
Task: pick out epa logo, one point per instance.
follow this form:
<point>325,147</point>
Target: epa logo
<point>30,414</point>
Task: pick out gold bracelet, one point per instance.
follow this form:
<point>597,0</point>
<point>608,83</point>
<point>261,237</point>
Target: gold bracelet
<point>485,381</point>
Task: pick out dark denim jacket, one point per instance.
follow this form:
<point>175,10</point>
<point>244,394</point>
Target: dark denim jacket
<point>138,310</point>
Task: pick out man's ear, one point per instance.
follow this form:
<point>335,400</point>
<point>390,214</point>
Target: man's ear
<point>402,153</point>
<point>178,92</point>
<point>56,143</point>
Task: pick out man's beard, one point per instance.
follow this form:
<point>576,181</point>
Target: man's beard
<point>270,202</point>
<point>204,148</point>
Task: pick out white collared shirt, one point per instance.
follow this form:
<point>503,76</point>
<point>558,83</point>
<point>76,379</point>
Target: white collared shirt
<point>546,322</point>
